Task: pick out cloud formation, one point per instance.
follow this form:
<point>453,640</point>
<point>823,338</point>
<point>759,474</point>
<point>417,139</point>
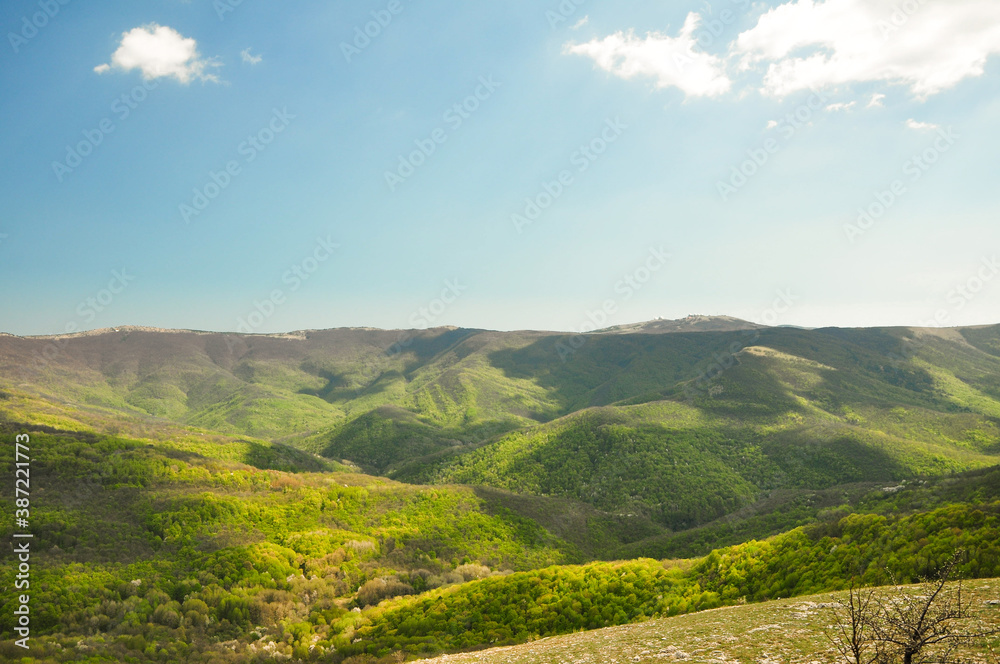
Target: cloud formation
<point>841,106</point>
<point>159,51</point>
<point>927,45</point>
<point>672,61</point>
<point>251,59</point>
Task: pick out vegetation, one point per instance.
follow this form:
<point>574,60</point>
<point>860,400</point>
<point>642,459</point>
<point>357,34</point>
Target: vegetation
<point>148,553</point>
<point>877,627</point>
<point>137,539</point>
<point>530,605</point>
<point>203,498</point>
<point>790,631</point>
<point>395,403</point>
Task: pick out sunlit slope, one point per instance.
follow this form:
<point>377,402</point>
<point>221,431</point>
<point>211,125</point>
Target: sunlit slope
<point>772,420</point>
<point>160,541</point>
<point>792,631</point>
<point>399,402</point>
<point>823,556</point>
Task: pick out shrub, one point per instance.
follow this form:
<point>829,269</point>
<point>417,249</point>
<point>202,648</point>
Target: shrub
<point>166,615</point>
<point>376,590</point>
<point>473,572</point>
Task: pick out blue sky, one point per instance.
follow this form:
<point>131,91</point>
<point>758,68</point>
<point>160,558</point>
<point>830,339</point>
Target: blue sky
<point>647,112</point>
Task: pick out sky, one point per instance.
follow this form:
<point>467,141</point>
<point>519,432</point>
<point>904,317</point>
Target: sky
<point>264,167</point>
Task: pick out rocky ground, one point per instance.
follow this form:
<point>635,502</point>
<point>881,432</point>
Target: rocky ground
<point>782,632</point>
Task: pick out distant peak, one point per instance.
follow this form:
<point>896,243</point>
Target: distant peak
<point>692,323</point>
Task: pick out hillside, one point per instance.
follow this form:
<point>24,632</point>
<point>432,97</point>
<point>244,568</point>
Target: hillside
<point>182,545</point>
<point>774,421</point>
<point>693,323</point>
<point>671,431</point>
<point>825,555</point>
<point>788,631</point>
<point>568,488</point>
<point>185,539</point>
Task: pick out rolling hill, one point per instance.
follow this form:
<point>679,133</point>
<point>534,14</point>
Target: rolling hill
<point>679,429</point>
<point>791,631</point>
<point>357,495</point>
<point>693,323</point>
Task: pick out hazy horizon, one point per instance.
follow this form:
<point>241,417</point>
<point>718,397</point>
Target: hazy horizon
<point>586,330</point>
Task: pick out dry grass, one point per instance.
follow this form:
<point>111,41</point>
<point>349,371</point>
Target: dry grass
<point>783,632</point>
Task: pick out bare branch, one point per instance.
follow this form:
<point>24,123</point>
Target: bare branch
<point>903,626</point>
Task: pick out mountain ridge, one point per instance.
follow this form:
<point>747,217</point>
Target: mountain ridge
<point>421,404</point>
<point>261,488</point>
<point>689,324</point>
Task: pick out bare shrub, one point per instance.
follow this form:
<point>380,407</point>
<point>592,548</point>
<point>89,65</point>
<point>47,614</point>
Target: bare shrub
<point>473,572</point>
<point>376,590</point>
<point>905,625</point>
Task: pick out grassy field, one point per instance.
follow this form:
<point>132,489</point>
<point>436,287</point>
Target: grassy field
<point>788,631</point>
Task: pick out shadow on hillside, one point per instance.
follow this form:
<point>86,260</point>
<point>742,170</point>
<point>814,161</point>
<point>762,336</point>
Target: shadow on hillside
<point>986,339</point>
<point>427,347</point>
<point>822,456</point>
<point>336,385</point>
<point>397,361</point>
<point>599,370</point>
<point>8,426</point>
<point>597,534</point>
<point>635,369</point>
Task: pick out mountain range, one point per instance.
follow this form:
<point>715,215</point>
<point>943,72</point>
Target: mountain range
<point>682,426</point>
<point>217,469</point>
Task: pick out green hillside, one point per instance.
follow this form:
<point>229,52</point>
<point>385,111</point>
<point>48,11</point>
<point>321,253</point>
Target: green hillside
<point>792,631</point>
<point>163,548</point>
<point>390,401</point>
<point>355,495</point>
<point>665,432</point>
<point>872,547</point>
<point>176,543</point>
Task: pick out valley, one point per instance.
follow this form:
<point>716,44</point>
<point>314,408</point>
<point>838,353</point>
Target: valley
<point>361,495</point>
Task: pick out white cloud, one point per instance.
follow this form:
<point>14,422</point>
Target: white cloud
<point>813,44</point>
<point>841,106</point>
<point>921,126</point>
<point>876,101</point>
<point>251,59</point>
<point>159,51</point>
<point>672,61</point>
<point>582,22</point>
<point>771,124</point>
